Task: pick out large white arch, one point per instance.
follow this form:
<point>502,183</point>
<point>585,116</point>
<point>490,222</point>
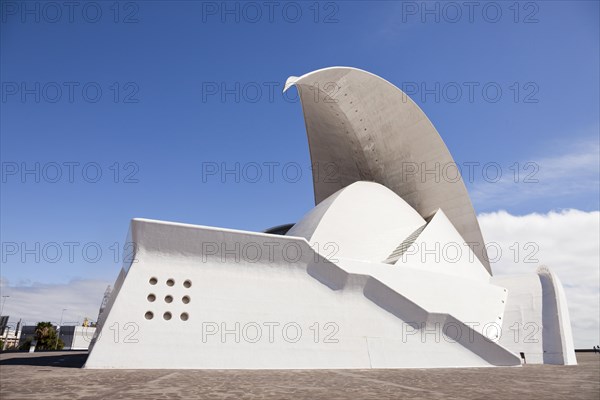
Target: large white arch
<point>363,128</point>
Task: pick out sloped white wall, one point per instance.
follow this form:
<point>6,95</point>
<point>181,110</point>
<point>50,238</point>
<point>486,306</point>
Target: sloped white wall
<point>441,249</point>
<point>478,304</point>
<point>522,323</point>
<point>364,221</point>
<point>361,322</point>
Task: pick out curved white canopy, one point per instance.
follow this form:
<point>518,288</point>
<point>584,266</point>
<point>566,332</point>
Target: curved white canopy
<point>362,128</point>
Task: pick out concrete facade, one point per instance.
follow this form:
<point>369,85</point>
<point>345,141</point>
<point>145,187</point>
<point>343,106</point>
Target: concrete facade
<point>77,337</point>
<point>377,275</point>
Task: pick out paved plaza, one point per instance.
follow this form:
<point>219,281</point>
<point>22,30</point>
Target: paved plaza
<point>56,375</point>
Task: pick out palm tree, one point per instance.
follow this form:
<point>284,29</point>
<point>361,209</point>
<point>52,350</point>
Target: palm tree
<point>45,334</point>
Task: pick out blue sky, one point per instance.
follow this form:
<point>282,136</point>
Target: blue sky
<point>156,120</point>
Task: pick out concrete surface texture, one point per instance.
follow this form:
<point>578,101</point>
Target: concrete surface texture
<point>379,274</point>
<point>58,376</point>
<point>363,128</point>
<point>261,301</point>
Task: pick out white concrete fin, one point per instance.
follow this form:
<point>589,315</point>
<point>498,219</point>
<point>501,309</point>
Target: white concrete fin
<point>441,249</point>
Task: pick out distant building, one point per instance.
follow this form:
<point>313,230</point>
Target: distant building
<point>3,323</point>
<point>27,333</point>
<point>10,336</point>
<point>74,337</point>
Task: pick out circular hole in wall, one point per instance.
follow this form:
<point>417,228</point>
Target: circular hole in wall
<point>153,281</point>
<point>151,297</point>
<point>168,298</point>
<point>187,284</point>
<point>170,282</point>
<point>167,315</point>
<point>184,316</point>
<point>185,299</point>
<point>149,315</point>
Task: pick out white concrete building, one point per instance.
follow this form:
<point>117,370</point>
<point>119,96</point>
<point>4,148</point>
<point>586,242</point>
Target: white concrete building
<point>77,337</point>
<point>378,275</point>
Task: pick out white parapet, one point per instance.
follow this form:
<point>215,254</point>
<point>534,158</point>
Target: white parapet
<point>200,297</point>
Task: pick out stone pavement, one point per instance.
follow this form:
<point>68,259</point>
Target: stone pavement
<point>56,375</point>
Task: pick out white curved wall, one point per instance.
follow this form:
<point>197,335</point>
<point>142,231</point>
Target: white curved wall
<point>364,221</point>
<point>536,321</point>
<point>558,338</point>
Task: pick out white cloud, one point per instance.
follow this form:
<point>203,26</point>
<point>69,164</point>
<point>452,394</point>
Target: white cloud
<point>574,172</point>
<point>45,302</point>
<point>568,242</point>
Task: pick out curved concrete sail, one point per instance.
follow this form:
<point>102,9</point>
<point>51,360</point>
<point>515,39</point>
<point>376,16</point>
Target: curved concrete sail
<point>238,292</point>
<point>363,128</point>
